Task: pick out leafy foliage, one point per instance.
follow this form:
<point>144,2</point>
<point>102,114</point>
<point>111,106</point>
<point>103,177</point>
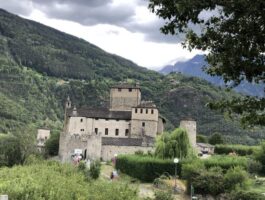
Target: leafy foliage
<point>10,150</point>
<point>173,145</point>
<point>52,144</point>
<point>241,150</point>
<point>216,138</point>
<point>144,168</point>
<point>51,180</point>
<point>233,37</point>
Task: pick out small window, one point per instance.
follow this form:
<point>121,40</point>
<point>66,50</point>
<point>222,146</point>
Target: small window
<point>126,132</point>
<point>130,89</point>
<point>82,130</point>
<point>152,111</point>
<point>143,124</point>
<point>119,89</point>
<point>106,131</point>
<point>146,111</point>
<point>136,110</point>
<point>96,131</point>
<point>81,120</point>
<point>141,110</point>
<point>116,132</point>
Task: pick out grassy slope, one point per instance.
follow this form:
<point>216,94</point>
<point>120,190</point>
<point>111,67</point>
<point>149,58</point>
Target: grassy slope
<point>40,67</point>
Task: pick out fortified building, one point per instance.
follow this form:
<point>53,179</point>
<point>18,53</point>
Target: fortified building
<point>126,126</point>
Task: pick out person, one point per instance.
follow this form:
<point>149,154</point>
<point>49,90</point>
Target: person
<point>111,176</point>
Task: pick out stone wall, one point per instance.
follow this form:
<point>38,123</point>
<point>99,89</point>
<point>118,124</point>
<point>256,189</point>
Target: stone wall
<point>70,142</point>
<point>83,125</point>
<point>124,99</point>
<point>109,151</point>
<point>93,147</point>
<point>190,127</point>
<point>144,122</point>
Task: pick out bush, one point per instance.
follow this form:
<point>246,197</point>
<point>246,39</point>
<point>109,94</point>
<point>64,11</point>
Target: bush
<point>216,138</point>
<point>254,166</point>
<point>260,156</point>
<point>226,162</point>
<point>246,195</point>
<point>95,169</point>
<point>161,195</point>
<point>241,150</point>
<point>52,145</point>
<point>52,180</point>
<point>235,178</point>
<point>10,150</point>
<point>144,168</point>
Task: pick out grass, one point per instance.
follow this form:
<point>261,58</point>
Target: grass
<point>258,185</point>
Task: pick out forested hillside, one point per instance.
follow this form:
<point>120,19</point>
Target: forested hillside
<point>40,67</point>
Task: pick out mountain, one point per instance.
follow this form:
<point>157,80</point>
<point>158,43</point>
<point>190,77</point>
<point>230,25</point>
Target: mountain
<point>41,66</point>
<point>194,67</point>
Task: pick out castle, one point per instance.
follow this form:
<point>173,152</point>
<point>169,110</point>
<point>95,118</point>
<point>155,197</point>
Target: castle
<point>126,126</point>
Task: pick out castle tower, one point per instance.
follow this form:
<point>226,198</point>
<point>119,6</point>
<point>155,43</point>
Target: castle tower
<point>190,126</point>
<point>124,96</point>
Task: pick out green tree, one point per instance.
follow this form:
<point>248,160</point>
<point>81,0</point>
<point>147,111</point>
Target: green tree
<point>216,138</point>
<point>233,34</point>
<point>201,139</point>
<point>10,151</point>
<point>174,144</point>
<point>52,144</point>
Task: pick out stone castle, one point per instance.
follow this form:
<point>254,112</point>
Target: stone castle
<point>126,126</point>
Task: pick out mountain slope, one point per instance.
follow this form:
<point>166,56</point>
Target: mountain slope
<point>193,67</point>
<point>40,67</point>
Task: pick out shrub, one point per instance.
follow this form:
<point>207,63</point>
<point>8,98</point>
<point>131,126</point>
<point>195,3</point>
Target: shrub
<point>260,156</point>
<point>216,138</point>
<point>52,145</point>
<point>241,150</point>
<point>254,166</point>
<point>209,181</point>
<point>10,150</point>
<point>161,195</point>
<point>95,169</point>
<point>226,162</point>
<point>201,139</point>
<point>52,180</point>
<point>246,195</point>
<point>235,178</point>
<point>144,168</point>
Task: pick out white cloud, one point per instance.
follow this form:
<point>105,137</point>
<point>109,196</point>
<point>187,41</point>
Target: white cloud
<point>136,37</point>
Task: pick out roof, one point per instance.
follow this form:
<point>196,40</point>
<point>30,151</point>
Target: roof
<point>205,145</point>
<point>102,113</point>
<point>126,86</point>
<point>146,104</point>
<point>111,141</point>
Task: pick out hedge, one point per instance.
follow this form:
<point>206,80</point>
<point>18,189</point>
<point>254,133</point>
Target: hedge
<point>226,162</point>
<point>145,168</point>
<point>241,150</point>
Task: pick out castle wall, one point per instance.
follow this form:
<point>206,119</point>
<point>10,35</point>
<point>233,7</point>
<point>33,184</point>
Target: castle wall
<point>70,142</point>
<point>124,98</point>
<point>83,125</point>
<point>160,126</point>
<point>190,127</point>
<point>144,122</point>
<point>112,125</point>
<point>109,151</point>
<point>93,148</point>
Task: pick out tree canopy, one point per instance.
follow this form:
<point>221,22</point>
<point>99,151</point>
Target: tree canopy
<point>233,34</point>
